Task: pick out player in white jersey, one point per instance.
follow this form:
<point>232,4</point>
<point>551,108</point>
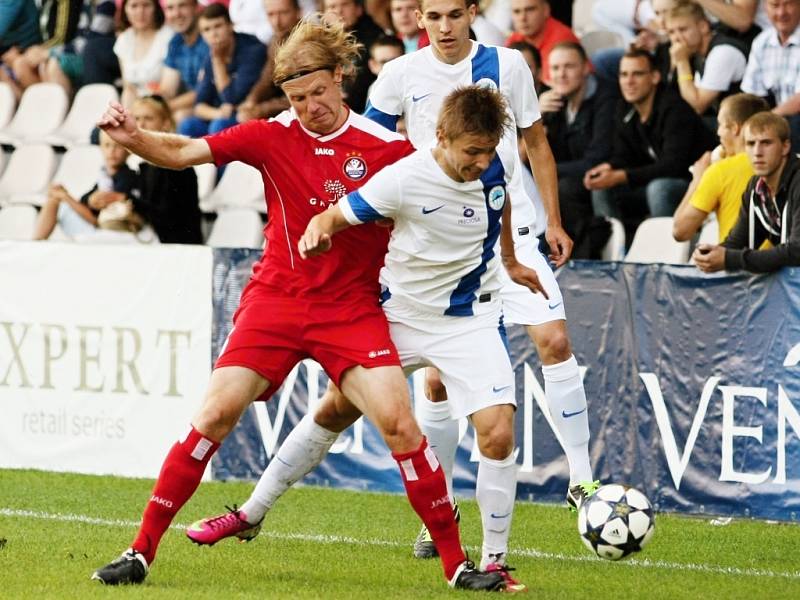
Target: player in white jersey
<point>441,280</point>
<point>413,86</point>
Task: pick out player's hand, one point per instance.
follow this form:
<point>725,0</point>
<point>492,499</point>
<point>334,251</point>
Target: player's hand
<point>560,244</point>
<point>709,258</point>
<point>314,241</point>
<point>525,276</point>
<point>118,123</point>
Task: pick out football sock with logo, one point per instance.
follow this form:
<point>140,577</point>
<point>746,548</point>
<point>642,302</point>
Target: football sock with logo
<point>495,492</point>
<point>180,475</point>
<point>442,432</point>
<point>302,450</point>
<point>427,493</point>
<point>567,400</point>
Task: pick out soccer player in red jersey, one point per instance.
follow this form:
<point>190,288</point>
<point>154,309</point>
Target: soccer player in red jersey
<point>291,309</point>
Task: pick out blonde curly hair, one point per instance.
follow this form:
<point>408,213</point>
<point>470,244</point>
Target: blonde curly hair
<point>314,45</point>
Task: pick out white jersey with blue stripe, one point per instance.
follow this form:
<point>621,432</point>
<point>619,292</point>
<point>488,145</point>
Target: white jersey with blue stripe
<point>415,85</point>
<point>443,256</point>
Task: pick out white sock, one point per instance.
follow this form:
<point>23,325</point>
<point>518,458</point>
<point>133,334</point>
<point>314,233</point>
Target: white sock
<point>567,400</point>
<point>495,492</point>
<point>304,448</point>
<point>442,432</point>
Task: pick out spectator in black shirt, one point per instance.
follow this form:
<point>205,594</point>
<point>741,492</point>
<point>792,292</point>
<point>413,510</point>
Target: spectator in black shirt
<point>578,114</point>
<point>657,137</point>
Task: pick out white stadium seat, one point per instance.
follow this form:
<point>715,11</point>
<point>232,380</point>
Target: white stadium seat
<point>17,222</point>
<point>206,177</point>
<point>653,243</point>
<point>90,102</point>
<point>79,169</point>
<point>592,41</point>
<point>237,228</point>
<point>8,104</point>
<point>27,175</point>
<point>615,246</point>
<point>40,112</point>
<point>709,234</point>
<point>240,186</point>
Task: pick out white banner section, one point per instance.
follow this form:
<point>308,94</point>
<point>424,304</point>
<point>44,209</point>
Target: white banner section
<point>104,354</point>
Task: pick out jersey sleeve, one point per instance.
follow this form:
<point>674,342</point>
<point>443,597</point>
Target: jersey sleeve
<point>385,103</point>
<point>247,142</point>
<point>707,195</point>
<point>378,199</point>
<point>522,100</point>
<point>724,65</point>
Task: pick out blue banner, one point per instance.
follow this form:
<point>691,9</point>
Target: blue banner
<point>692,380</point>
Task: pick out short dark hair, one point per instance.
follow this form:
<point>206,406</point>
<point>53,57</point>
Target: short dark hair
<point>388,40</point>
<point>158,15</point>
<point>215,11</point>
<point>569,45</point>
<point>743,106</point>
<point>634,52</point>
<point>523,46</point>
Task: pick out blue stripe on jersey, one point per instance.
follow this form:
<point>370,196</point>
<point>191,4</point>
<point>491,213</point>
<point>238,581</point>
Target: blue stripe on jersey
<point>380,117</point>
<point>385,295</point>
<point>361,208</point>
<point>464,295</point>
<point>486,65</point>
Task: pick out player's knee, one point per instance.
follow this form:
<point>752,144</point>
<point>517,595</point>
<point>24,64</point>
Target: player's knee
<point>335,413</point>
<point>217,417</point>
<point>555,348</point>
<point>434,388</point>
<point>401,432</point>
<point>497,442</point>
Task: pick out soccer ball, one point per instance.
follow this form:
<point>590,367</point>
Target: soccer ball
<point>616,521</point>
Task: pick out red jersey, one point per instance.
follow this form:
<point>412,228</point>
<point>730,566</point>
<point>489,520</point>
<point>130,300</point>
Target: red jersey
<point>303,174</point>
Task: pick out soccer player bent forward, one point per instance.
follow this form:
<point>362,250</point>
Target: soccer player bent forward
<point>338,291</point>
<point>440,294</point>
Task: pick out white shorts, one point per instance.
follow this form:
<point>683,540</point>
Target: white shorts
<point>469,352</point>
<point>520,305</point>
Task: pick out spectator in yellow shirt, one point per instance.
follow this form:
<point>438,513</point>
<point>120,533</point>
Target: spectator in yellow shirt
<point>718,187</point>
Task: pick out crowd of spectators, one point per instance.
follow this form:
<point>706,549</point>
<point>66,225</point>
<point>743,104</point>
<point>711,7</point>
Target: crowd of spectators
<point>633,127</point>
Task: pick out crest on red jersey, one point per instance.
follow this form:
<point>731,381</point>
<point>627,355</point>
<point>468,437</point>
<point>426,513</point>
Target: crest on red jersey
<point>354,167</point>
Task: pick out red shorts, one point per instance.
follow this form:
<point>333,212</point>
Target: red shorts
<point>271,334</point>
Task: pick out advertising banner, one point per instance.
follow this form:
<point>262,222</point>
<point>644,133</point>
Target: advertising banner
<point>692,381</point>
<point>104,354</point>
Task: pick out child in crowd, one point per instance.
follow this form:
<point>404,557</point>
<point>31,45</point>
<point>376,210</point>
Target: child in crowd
<point>79,217</point>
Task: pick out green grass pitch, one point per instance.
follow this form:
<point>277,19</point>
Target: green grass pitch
<point>55,529</point>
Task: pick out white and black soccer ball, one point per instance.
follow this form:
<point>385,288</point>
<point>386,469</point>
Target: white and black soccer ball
<point>616,521</point>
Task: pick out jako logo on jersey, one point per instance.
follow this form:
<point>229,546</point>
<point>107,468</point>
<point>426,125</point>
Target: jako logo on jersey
<point>161,501</point>
<point>486,83</point>
<point>497,197</point>
<point>376,353</point>
<point>441,501</point>
<point>354,167</point>
<point>324,152</point>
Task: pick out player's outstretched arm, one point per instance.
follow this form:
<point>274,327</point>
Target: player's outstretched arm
<point>518,272</point>
<point>317,237</point>
<point>163,149</point>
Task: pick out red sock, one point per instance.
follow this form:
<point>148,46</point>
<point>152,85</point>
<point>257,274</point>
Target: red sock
<point>179,477</point>
<point>427,491</point>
